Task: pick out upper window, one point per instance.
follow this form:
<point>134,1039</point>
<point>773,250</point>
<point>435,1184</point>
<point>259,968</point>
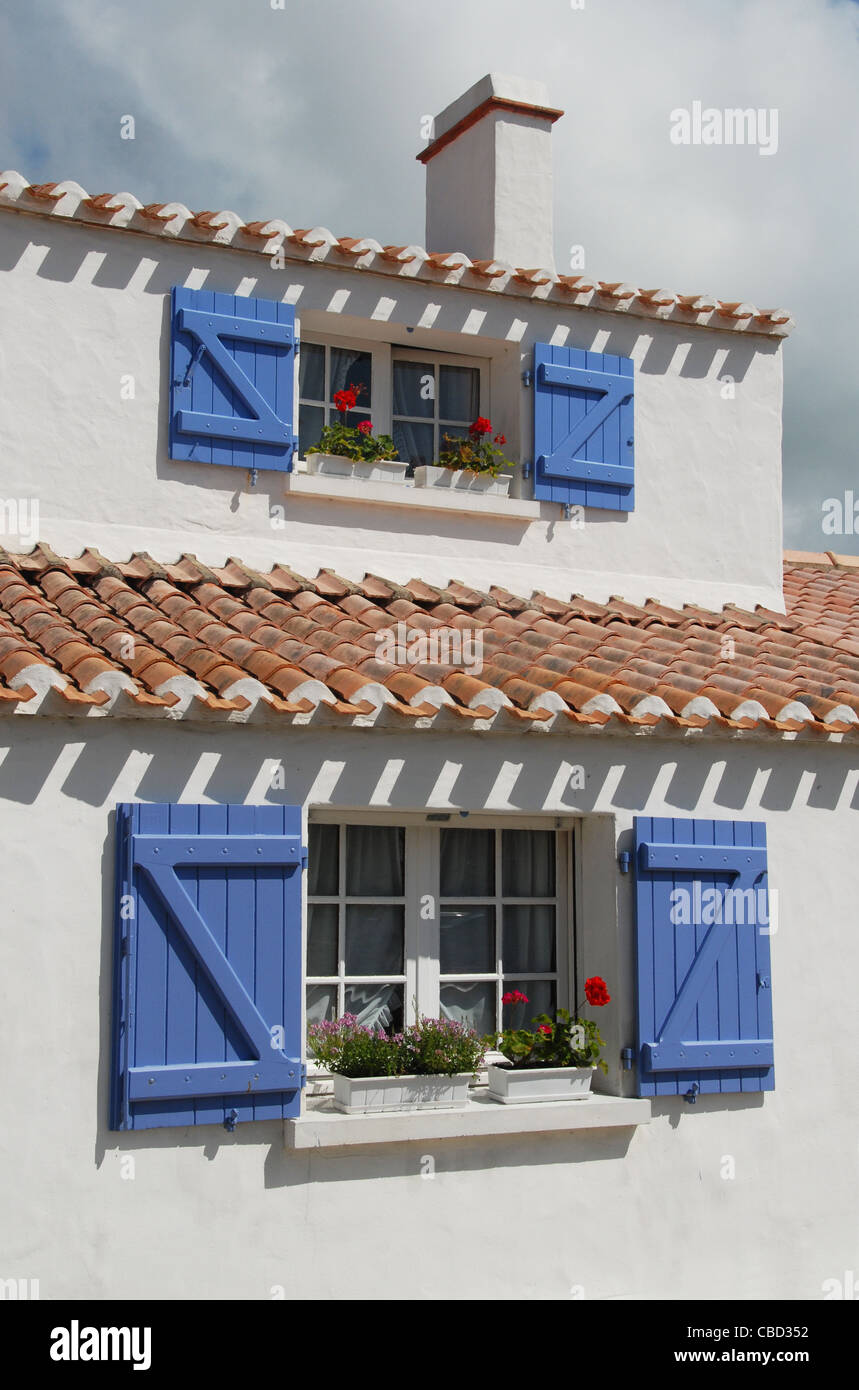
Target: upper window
<point>432,397</point>
<point>448,919</point>
<point>322,371</point>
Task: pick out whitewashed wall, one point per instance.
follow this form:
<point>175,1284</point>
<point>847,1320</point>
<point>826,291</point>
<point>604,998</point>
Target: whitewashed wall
<point>643,1213</point>
<point>84,308</point>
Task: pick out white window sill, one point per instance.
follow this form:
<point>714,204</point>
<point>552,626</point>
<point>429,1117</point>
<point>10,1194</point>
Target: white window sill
<point>323,1127</point>
<point>405,494</point>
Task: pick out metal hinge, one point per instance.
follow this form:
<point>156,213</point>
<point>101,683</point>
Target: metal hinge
<point>528,377</point>
<point>527,468</point>
<point>627,1058</point>
<point>624,860</point>
<point>689,1096</point>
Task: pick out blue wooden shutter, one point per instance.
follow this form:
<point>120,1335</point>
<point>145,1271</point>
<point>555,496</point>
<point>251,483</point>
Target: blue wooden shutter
<point>232,380</point>
<point>583,428</point>
<point>207,965</point>
<point>704,1006</point>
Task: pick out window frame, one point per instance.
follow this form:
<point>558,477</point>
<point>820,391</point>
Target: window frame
<point>421,935</point>
<point>329,342</point>
<point>440,359</point>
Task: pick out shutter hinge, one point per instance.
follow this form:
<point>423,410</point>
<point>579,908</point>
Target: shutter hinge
<point>528,377</point>
<point>627,1058</point>
<point>527,468</point>
<point>230,1120</point>
<point>689,1096</point>
<point>624,859</point>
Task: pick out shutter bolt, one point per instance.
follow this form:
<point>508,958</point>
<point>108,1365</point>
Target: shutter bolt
<point>690,1095</point>
<point>230,1120</point>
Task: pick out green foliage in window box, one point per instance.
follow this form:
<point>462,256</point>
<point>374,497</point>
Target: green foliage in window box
<point>479,452</point>
<point>562,1041</point>
<point>430,1047</point>
<point>355,442</point>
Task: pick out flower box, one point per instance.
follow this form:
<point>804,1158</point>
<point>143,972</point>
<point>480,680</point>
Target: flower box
<point>369,470</point>
<point>364,1095</point>
<point>528,1085</point>
<point>463,480</point>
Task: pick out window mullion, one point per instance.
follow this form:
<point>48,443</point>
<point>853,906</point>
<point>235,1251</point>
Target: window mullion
<point>422,885</point>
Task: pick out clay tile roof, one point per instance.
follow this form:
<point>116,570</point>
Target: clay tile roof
<point>68,201</point>
<point>139,636</point>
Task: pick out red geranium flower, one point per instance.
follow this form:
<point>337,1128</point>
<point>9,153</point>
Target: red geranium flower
<point>347,399</point>
<point>514,997</point>
<point>365,427</point>
<point>544,1028</point>
<point>481,426</point>
<point>596,991</point>
<point>501,439</point>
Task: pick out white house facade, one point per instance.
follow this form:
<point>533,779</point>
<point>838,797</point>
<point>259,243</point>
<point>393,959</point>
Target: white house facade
<point>282,740</point>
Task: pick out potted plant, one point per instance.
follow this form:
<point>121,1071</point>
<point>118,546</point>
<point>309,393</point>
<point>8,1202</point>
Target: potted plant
<point>474,463</point>
<point>426,1067</point>
<point>556,1061</point>
<point>353,451</point>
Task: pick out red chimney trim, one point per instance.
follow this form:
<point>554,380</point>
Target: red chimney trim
<point>525,108</point>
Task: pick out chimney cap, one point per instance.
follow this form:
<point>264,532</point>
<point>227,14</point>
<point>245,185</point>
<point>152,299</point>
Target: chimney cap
<point>495,91</point>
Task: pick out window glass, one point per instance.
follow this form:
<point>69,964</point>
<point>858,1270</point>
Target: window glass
<point>528,857</point>
<point>322,861</point>
<point>415,443</point>
<point>472,1004</point>
<point>468,941</point>
<point>322,919</point>
<point>311,372</point>
<point>310,421</point>
<point>376,1006</point>
<point>467,863</point>
<point>321,1003</point>
<point>459,393</point>
<point>352,368</point>
<point>374,939</point>
<point>374,861</point>
<point>414,389</point>
<point>541,996</point>
<point>529,939</point>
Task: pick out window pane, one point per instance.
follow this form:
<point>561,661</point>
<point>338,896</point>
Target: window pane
<point>374,861</point>
<point>311,418</point>
<point>322,862</point>
<point>322,939</point>
<point>376,1006</point>
<point>467,863</point>
<point>374,940</point>
<point>529,863</point>
<point>311,372</point>
<point>459,393</point>
<point>351,368</point>
<point>415,443</point>
<point>321,1003</point>
<point>468,941</point>
<point>447,432</point>
<point>473,1005</point>
<point>528,939</point>
<point>414,389</point>
<point>541,995</point>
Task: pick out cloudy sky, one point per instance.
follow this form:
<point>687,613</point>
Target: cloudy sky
<point>312,112</point>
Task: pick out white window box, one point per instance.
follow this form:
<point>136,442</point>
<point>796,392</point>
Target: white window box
<point>323,1127</point>
<point>463,480</point>
<point>529,1085</point>
<point>378,1094</point>
<point>372,470</point>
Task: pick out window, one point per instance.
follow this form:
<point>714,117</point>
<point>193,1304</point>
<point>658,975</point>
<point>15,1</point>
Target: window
<point>448,917</point>
<point>432,396</point>
<point>324,369</point>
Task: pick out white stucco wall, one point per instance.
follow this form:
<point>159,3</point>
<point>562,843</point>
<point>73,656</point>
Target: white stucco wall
<point>639,1213</point>
<point>84,308</point>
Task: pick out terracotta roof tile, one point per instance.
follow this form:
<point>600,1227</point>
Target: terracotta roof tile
<point>541,659</point>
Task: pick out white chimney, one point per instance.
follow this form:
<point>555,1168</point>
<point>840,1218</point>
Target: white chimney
<point>489,174</point>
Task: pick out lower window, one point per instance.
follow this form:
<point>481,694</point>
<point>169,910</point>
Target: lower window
<point>438,919</point>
